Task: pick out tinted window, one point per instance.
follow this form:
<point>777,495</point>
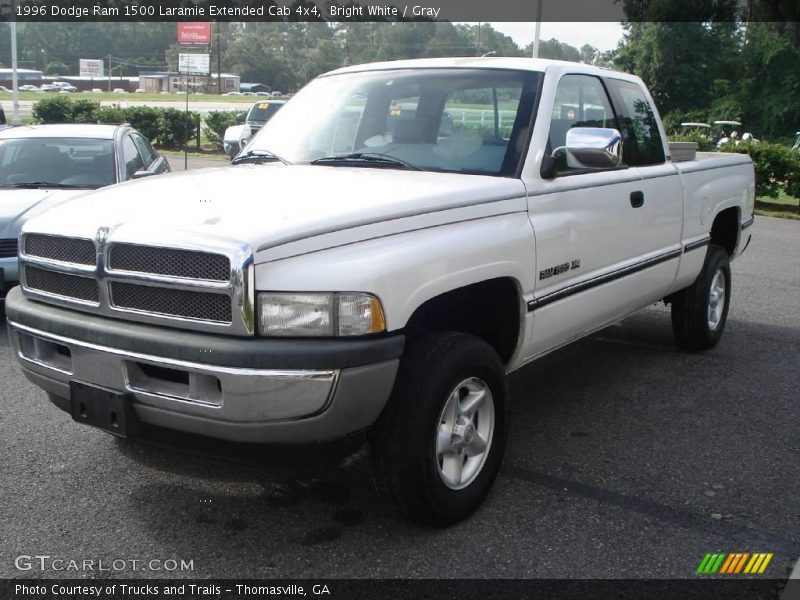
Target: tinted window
<point>581,101</point>
<point>68,162</point>
<point>130,156</point>
<point>641,139</point>
<point>145,149</point>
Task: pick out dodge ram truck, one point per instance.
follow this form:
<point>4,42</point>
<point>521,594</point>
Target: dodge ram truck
<point>360,269</point>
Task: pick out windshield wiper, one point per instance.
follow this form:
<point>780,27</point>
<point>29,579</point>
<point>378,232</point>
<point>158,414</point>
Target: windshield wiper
<point>365,159</point>
<point>257,157</point>
<point>32,185</point>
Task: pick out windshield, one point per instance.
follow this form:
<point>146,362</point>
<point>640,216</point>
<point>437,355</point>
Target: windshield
<point>263,111</point>
<point>56,162</point>
<point>455,120</point>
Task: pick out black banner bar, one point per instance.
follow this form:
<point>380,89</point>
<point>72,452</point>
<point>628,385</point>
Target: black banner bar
<point>704,587</point>
<point>398,10</point>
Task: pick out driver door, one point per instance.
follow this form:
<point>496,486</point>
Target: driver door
<point>582,222</point>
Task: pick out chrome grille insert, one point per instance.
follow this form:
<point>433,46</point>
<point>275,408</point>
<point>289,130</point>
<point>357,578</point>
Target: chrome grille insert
<point>201,282</point>
<point>189,264</point>
<point>203,306</point>
<point>8,248</point>
<point>64,249</point>
<point>61,284</point>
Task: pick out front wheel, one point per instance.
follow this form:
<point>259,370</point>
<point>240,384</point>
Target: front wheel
<point>699,312</point>
<point>439,442</point>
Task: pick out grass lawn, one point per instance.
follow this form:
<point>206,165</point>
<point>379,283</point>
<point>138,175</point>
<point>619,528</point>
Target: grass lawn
<point>783,198</point>
<point>771,207</point>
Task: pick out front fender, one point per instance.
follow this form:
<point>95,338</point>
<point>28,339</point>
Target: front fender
<point>408,269</point>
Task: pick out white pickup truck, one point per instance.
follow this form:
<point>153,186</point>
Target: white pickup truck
<point>363,268</point>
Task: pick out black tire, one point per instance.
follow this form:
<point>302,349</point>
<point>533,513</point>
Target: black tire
<point>690,307</point>
<point>404,451</point>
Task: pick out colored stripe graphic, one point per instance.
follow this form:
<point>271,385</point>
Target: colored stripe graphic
<point>703,563</point>
<point>764,564</point>
<point>734,563</point>
<point>741,562</point>
<point>754,563</point>
<point>714,561</point>
<point>727,563</point>
<point>718,562</point>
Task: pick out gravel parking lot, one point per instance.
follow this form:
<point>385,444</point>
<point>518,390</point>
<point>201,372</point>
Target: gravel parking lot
<point>627,458</point>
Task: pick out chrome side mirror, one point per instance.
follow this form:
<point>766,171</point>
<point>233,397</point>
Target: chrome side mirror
<point>592,148</point>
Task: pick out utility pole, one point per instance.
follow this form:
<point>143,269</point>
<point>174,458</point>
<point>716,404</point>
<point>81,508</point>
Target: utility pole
<point>219,60</point>
<point>14,78</point>
<point>109,72</point>
<point>538,29</point>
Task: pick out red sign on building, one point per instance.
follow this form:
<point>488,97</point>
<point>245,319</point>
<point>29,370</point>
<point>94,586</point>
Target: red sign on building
<point>194,33</point>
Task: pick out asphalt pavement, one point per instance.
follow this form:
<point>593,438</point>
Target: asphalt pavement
<point>627,458</point>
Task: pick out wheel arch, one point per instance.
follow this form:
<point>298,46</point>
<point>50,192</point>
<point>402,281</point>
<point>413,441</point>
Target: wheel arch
<point>492,309</point>
<point>726,228</point>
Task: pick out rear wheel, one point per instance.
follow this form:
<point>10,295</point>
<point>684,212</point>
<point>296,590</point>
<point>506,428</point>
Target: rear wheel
<point>438,445</point>
<point>699,312</point>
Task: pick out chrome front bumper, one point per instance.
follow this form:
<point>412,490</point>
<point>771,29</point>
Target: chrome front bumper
<point>241,404</point>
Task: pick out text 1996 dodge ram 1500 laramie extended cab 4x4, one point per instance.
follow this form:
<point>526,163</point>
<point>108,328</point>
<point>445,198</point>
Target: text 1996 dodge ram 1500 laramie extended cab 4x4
<point>360,268</point>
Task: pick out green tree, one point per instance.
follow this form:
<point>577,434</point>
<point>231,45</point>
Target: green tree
<point>680,61</point>
<point>56,69</point>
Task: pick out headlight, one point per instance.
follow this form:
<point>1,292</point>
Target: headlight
<point>319,314</point>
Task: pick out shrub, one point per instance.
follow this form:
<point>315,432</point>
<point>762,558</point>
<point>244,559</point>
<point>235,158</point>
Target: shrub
<point>57,109</point>
<point>110,114</point>
<point>777,167</point>
<point>61,109</point>
<point>216,122</point>
<point>174,128</point>
<point>146,119</point>
<point>84,111</point>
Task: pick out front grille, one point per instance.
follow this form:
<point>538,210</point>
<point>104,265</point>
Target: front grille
<point>61,284</point>
<point>203,306</point>
<point>190,264</point>
<point>65,249</point>
<point>8,248</point>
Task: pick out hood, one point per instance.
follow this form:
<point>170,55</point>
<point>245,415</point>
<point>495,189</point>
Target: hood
<point>16,206</point>
<point>271,204</point>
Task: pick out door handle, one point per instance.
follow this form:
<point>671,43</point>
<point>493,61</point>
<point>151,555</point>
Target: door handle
<point>637,199</point>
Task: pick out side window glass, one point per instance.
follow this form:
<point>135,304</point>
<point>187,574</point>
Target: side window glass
<point>130,156</point>
<point>581,101</point>
<point>145,149</point>
<point>641,143</point>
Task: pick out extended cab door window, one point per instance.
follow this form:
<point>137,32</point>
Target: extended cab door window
<point>641,139</point>
<point>581,101</point>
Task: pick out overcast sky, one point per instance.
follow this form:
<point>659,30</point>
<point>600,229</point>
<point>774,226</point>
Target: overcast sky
<point>603,36</point>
